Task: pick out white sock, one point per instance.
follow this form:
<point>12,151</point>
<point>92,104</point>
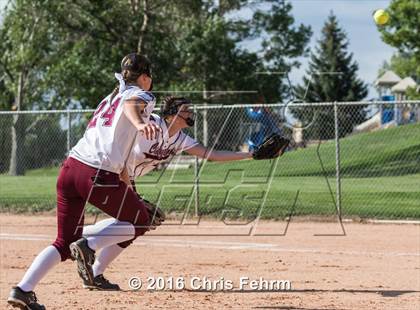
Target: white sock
<point>105,257</point>
<point>44,262</point>
<point>108,232</point>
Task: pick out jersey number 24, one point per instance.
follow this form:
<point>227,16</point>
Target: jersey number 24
<point>107,114</point>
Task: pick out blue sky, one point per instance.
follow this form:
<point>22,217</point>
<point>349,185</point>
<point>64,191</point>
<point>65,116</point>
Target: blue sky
<point>355,17</point>
<point>2,4</point>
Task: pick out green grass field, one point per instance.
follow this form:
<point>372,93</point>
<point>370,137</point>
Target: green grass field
<point>380,178</point>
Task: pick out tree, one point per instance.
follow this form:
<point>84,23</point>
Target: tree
<point>193,46</point>
<point>283,42</point>
<point>331,76</point>
<point>213,59</point>
<point>25,38</point>
<point>38,139</point>
<point>402,32</point>
<point>58,52</point>
<point>96,34</point>
<point>6,101</point>
<point>402,29</point>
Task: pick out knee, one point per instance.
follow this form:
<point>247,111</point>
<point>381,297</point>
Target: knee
<point>63,248</point>
<point>140,230</point>
<point>142,223</point>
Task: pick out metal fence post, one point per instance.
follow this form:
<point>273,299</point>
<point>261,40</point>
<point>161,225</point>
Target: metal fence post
<point>337,160</point>
<point>205,124</point>
<point>68,131</point>
<point>196,170</point>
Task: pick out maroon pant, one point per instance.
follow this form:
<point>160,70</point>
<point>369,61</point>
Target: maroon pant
<point>78,184</point>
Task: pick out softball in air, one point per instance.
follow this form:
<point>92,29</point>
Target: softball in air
<point>381,17</point>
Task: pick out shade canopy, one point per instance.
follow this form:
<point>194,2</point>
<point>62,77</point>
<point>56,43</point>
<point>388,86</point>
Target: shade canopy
<point>402,86</point>
<point>388,79</point>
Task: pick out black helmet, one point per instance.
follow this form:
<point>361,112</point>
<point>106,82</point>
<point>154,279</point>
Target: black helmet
<point>171,104</point>
<point>134,65</point>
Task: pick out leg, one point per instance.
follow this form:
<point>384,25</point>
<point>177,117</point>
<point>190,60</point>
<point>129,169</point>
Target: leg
<point>105,257</point>
<point>108,255</point>
<point>122,203</point>
<point>110,252</point>
<point>104,234</point>
<point>108,232</point>
<point>69,210</point>
<point>105,190</point>
<point>70,221</point>
<point>22,295</point>
<point>44,262</point>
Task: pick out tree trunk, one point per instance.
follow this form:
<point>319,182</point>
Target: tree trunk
<point>17,156</point>
<point>143,27</point>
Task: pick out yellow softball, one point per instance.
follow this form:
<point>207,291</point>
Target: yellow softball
<point>381,17</point>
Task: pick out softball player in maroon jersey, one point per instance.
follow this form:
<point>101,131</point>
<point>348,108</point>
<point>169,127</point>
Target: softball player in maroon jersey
<point>91,174</point>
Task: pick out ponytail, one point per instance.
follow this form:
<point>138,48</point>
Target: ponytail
<point>126,77</point>
<point>114,93</point>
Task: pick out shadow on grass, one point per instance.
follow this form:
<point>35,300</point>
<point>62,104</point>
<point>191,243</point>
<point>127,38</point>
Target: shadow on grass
<point>398,163</point>
<point>403,162</point>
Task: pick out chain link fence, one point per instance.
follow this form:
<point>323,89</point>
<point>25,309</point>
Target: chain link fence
<point>354,160</point>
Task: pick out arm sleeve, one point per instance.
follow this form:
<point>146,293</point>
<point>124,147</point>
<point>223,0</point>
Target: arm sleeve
<point>145,96</point>
<point>186,142</point>
<point>148,98</point>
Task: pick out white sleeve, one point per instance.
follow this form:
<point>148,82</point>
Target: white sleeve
<point>147,97</point>
<point>185,143</point>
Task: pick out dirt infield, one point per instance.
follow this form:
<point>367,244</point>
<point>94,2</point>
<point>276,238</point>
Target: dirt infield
<point>371,267</point>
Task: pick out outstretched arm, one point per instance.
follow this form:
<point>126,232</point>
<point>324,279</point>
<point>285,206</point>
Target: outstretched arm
<point>213,155</point>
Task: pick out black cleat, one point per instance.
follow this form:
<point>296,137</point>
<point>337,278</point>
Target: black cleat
<point>100,283</point>
<point>24,300</point>
<point>85,258</point>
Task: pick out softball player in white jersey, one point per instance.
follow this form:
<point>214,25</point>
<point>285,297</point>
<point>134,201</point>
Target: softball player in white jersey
<point>97,159</point>
<point>176,115</point>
